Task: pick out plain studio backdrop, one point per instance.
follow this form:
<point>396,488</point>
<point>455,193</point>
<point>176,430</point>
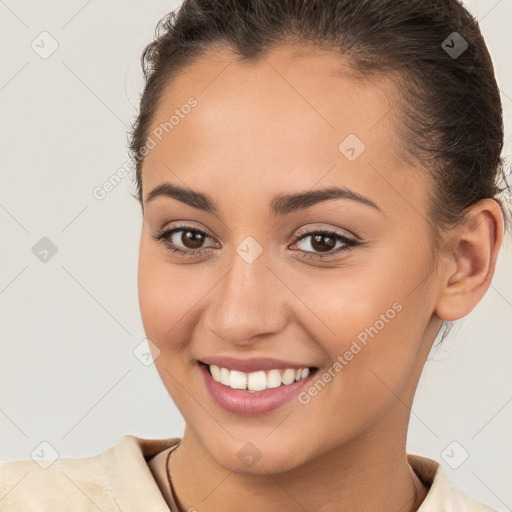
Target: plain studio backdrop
<point>73,375</point>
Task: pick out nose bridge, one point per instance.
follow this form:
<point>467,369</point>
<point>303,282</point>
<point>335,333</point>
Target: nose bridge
<point>246,302</point>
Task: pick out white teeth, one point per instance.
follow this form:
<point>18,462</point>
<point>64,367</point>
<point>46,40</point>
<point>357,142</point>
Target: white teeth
<point>288,376</point>
<point>237,380</point>
<point>257,381</point>
<point>224,376</point>
<point>215,371</point>
<point>273,379</point>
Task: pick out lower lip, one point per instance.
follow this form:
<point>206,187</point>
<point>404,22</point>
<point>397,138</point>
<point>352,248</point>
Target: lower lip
<point>251,404</point>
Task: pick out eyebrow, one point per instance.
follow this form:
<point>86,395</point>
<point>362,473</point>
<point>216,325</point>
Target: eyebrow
<point>280,205</point>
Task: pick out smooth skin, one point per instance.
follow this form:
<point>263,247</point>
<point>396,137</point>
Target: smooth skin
<point>261,130</point>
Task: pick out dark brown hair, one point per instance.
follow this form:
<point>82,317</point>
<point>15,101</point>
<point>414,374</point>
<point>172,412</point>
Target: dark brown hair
<point>449,114</point>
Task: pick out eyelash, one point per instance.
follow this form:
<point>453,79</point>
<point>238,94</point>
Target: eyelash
<point>350,244</point>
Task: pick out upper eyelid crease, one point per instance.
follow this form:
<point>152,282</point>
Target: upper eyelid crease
<point>279,206</point>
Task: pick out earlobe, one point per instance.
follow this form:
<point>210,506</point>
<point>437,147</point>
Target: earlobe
<point>473,253</point>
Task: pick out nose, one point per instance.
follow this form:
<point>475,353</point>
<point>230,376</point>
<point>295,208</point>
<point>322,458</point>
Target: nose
<point>249,302</point>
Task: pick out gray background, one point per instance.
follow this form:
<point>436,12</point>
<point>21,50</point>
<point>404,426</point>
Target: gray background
<point>68,374</point>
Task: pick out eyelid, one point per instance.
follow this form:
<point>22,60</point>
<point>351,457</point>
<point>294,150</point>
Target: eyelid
<point>334,231</point>
<point>184,225</point>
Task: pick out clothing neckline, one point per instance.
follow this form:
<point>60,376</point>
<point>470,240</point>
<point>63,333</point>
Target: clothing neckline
<point>133,453</point>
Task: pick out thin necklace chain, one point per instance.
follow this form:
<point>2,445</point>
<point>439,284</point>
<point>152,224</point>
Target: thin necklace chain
<point>169,476</point>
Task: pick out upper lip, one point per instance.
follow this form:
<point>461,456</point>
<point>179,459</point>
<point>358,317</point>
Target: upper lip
<point>253,364</point>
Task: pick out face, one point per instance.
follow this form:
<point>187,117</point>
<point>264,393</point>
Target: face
<point>340,284</point>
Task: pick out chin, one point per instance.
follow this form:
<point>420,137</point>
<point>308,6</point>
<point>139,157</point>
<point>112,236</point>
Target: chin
<point>258,457</point>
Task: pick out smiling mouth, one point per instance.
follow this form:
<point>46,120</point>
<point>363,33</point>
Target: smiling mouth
<point>257,381</point>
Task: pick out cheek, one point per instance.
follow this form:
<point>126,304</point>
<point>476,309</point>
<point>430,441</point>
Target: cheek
<point>166,293</point>
<point>164,306</point>
<point>159,299</point>
<point>370,321</point>
<point>172,301</point>
<point>372,361</point>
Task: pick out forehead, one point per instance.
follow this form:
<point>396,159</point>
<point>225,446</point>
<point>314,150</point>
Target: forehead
<point>286,118</point>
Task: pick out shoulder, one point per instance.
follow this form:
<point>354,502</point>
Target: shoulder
<point>443,496</point>
<point>101,482</point>
<point>25,485</point>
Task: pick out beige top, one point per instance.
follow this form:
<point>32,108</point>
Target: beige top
<point>121,479</point>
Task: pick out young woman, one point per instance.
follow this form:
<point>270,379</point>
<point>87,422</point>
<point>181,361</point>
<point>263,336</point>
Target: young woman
<point>319,183</point>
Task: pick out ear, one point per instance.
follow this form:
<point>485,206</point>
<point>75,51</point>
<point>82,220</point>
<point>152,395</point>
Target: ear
<point>471,259</point>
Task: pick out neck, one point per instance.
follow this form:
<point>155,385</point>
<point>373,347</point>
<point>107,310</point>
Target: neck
<point>370,474</point>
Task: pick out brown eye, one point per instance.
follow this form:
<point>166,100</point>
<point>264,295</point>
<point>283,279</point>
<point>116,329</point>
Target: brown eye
<point>192,239</point>
<point>322,243</point>
<point>183,241</point>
